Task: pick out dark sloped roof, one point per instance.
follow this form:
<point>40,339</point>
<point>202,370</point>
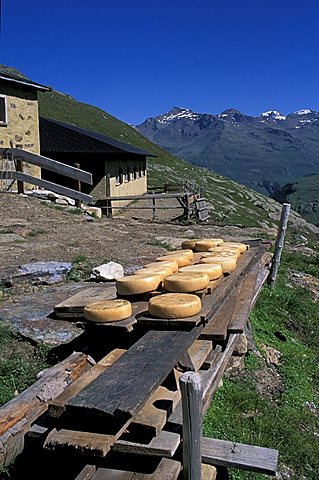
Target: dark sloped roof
<point>7,76</point>
<point>60,137</point>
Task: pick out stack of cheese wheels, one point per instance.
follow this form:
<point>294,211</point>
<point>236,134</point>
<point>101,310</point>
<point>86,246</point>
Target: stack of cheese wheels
<point>189,244</point>
<point>108,311</point>
<point>159,270</point>
<point>181,259</point>
<point>204,245</point>
<point>222,249</point>
<point>171,264</point>
<point>242,247</point>
<point>174,305</point>
<point>228,263</point>
<point>136,284</point>
<point>186,282</point>
<point>213,271</point>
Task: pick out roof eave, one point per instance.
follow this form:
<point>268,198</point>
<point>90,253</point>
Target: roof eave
<point>37,86</point>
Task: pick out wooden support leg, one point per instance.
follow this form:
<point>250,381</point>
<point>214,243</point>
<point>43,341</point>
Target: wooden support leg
<point>192,400</point>
<point>77,186</point>
<point>279,244</point>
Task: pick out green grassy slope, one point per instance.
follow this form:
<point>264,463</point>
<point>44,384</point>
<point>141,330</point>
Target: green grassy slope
<point>230,202</point>
<point>303,196</point>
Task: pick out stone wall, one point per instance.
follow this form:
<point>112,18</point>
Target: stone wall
<point>22,127</point>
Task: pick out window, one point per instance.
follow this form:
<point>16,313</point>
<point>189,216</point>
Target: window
<point>3,110</point>
<point>136,173</point>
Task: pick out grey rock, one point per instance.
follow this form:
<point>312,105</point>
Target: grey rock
<point>10,238</point>
<point>241,345</point>
<point>107,272</point>
<point>46,272</point>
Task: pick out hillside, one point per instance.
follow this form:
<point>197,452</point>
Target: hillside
<point>229,201</point>
<point>303,196</point>
<point>263,152</point>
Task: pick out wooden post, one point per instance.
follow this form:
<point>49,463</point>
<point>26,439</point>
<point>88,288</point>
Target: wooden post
<point>109,212</point>
<point>77,186</point>
<point>192,402</point>
<point>19,167</point>
<point>279,244</point>
<point>187,208</point>
<point>154,206</point>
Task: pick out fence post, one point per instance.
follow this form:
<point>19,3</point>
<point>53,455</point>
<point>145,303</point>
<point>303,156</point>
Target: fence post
<point>154,206</point>
<point>109,212</point>
<point>279,244</point>
<point>192,405</point>
<point>19,168</point>
<point>77,186</point>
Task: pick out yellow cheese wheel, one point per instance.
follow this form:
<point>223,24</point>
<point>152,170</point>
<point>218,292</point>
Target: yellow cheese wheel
<point>189,244</point>
<point>188,253</point>
<point>108,311</point>
<point>174,305</point>
<point>182,260</point>
<point>172,264</point>
<point>228,264</point>
<point>222,249</point>
<point>213,271</point>
<point>225,253</point>
<point>164,271</point>
<point>242,247</point>
<point>186,282</point>
<point>204,245</point>
<point>135,284</point>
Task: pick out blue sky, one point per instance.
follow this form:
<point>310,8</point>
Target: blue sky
<point>137,59</point>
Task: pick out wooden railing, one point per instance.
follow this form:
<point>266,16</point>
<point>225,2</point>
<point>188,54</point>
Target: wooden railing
<point>19,156</point>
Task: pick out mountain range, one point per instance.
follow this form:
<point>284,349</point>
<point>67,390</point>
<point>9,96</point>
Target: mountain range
<point>263,152</point>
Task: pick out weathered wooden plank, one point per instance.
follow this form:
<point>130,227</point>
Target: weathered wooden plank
<point>97,445</point>
<point>240,314</point>
<point>111,474</point>
<point>164,444</point>
<point>279,245</point>
<point>208,363</point>
<point>239,455</point>
<point>50,164</point>
<point>17,415</point>
<point>73,307</point>
<point>167,468</point>
<point>57,406</point>
<point>87,473</point>
<point>69,192</point>
<point>142,369</point>
<point>197,354</point>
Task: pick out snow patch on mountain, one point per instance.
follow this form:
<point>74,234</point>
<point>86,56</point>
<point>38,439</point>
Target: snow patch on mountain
<point>178,114</point>
<point>304,111</point>
<point>274,114</point>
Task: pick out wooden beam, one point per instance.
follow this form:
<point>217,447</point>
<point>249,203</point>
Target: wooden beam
<point>50,164</point>
<point>17,415</point>
<point>238,455</point>
<point>279,245</point>
<point>164,444</point>
<point>146,196</point>
<point>69,192</point>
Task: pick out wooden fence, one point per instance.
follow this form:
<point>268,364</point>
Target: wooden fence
<point>11,164</point>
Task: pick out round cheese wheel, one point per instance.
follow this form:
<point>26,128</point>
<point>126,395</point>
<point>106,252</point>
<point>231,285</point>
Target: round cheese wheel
<point>204,245</point>
<point>182,260</point>
<point>108,311</point>
<point>189,244</point>
<point>172,264</point>
<point>242,247</point>
<point>164,271</point>
<point>174,305</point>
<point>225,253</point>
<point>186,282</point>
<point>188,253</point>
<point>222,249</point>
<point>228,264</point>
<point>213,271</point>
<point>135,284</point>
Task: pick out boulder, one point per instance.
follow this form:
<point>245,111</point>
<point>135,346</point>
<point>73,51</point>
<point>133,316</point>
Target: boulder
<point>45,272</point>
<point>107,272</point>
<point>241,345</point>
